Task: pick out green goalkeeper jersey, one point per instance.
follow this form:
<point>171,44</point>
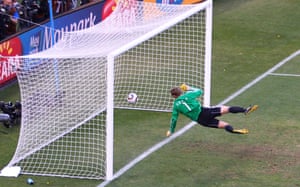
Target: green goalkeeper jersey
<point>188,105</point>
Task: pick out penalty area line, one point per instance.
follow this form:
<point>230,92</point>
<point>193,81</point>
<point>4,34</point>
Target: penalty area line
<point>285,74</point>
<point>190,125</point>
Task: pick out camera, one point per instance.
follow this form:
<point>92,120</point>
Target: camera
<point>11,113</point>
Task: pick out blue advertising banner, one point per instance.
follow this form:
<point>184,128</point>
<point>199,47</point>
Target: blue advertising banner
<point>40,38</point>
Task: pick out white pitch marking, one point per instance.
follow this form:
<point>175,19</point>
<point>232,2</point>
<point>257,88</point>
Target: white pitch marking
<point>285,74</point>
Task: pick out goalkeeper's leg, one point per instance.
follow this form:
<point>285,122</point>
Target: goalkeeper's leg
<point>229,128</point>
<point>238,109</point>
<point>215,123</point>
<point>208,118</point>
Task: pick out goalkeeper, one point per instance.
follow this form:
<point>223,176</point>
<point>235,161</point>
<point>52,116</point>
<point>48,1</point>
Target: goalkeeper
<point>187,104</point>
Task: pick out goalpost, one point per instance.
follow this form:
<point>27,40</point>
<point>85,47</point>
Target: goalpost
<point>69,92</point>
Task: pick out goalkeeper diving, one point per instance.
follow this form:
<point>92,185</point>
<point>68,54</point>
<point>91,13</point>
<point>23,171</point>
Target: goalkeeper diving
<point>187,104</point>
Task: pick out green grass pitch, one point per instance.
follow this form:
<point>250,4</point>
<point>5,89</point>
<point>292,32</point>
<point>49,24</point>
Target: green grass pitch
<point>249,37</point>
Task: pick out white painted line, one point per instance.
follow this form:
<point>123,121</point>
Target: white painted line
<point>274,68</point>
<point>285,74</point>
<point>190,125</point>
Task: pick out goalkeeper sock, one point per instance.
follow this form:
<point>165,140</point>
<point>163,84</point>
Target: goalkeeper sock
<point>236,109</point>
<point>229,128</point>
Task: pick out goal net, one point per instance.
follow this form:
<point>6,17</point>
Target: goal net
<point>69,92</point>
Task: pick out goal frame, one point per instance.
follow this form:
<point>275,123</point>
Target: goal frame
<point>208,5</point>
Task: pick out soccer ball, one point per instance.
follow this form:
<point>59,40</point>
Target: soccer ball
<point>30,181</point>
<point>132,98</point>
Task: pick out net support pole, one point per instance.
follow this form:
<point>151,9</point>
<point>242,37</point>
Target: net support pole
<point>51,20</point>
<point>52,44</point>
<point>109,117</point>
<point>208,60</point>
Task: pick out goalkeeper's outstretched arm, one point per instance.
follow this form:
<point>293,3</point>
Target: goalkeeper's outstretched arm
<point>185,88</point>
<point>172,126</point>
<point>176,92</point>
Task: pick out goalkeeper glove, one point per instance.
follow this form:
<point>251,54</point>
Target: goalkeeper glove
<point>184,87</point>
<point>168,133</point>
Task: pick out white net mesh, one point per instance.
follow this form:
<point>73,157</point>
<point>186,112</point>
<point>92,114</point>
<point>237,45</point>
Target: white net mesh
<point>64,89</point>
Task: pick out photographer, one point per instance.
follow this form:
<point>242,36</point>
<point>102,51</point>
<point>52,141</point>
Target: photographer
<point>11,113</point>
